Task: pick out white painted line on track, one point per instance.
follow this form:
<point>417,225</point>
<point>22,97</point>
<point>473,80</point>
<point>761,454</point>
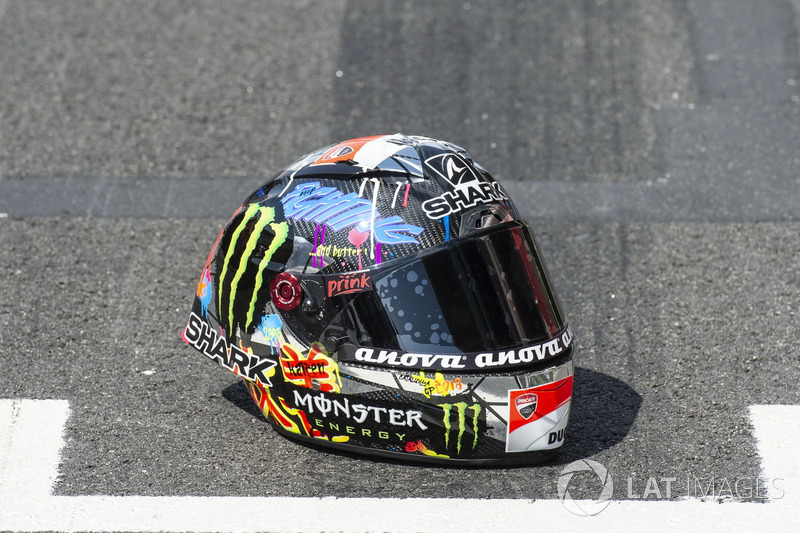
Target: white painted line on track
<point>31,436</point>
<point>777,431</point>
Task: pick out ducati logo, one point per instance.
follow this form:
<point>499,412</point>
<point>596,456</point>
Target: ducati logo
<point>526,404</point>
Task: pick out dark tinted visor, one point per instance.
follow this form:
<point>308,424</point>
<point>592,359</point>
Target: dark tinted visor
<point>487,292</point>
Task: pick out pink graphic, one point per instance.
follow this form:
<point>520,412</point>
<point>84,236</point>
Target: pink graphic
<point>357,238</point>
<point>318,262</point>
<point>405,196</point>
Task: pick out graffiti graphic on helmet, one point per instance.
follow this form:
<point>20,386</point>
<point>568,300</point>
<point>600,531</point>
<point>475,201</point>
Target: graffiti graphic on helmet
<point>382,295</point>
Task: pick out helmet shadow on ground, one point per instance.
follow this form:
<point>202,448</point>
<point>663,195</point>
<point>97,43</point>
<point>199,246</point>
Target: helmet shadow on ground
<point>604,409</point>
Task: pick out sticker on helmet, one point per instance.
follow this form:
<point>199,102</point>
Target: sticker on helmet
<point>526,404</point>
<point>380,152</point>
<point>204,291</point>
<point>456,419</point>
<point>468,189</point>
<point>472,361</point>
<point>347,284</point>
<point>453,168</point>
<point>330,206</point>
<point>200,335</point>
<point>538,416</point>
<point>269,331</point>
<point>419,446</point>
<point>456,433</point>
<point>342,415</point>
<point>257,226</point>
<point>437,385</point>
<point>313,367</point>
<point>289,419</point>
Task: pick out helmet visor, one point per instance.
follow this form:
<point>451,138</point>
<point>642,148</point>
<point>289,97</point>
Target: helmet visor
<point>487,292</point>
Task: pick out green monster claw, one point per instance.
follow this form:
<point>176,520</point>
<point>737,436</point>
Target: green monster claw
<point>446,407</point>
<point>267,216</point>
<point>281,231</point>
<point>476,408</point>
<point>461,409</point>
<point>462,426</point>
<point>250,213</point>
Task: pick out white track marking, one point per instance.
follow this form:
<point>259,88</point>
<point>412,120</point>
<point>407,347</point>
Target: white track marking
<point>31,436</point>
<point>777,431</point>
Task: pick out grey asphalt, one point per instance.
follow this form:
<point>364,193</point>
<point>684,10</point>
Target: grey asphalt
<point>654,145</point>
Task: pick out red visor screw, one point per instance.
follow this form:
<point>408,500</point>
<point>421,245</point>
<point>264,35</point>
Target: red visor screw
<point>285,291</point>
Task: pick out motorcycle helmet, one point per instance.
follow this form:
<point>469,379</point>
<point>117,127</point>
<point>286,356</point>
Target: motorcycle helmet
<point>383,296</point>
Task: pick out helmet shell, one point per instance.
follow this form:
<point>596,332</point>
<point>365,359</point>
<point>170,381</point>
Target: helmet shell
<point>381,295</point>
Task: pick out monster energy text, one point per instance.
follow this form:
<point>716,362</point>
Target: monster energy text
<point>339,406</point>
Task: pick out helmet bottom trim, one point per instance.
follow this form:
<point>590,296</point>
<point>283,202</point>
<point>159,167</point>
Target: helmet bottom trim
<point>511,459</point>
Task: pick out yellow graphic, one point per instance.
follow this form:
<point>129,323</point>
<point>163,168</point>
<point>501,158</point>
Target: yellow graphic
<point>418,446</point>
<point>437,385</point>
<point>316,365</point>
<point>293,420</point>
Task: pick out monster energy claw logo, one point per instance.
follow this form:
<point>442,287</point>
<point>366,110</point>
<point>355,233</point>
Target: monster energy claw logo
<point>461,408</point>
<point>252,231</point>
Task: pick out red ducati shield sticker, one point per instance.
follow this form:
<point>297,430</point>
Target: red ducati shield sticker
<point>529,405</point>
<point>526,404</point>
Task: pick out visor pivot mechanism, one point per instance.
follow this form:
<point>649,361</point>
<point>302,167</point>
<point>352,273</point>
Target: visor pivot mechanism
<point>285,291</point>
<point>332,342</point>
<point>308,306</point>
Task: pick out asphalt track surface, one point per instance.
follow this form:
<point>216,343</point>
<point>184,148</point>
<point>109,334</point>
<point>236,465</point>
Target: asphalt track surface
<point>654,145</point>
